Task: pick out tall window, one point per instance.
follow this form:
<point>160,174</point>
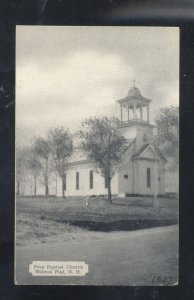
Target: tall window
<point>77,180</point>
<point>65,182</point>
<point>148,177</point>
<point>91,179</point>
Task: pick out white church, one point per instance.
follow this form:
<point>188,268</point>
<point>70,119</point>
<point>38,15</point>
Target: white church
<point>142,170</point>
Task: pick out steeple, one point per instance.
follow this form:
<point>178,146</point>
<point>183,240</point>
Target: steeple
<point>135,121</point>
<point>134,107</point>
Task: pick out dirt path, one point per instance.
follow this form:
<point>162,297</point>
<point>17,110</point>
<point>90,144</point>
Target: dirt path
<point>119,258</point>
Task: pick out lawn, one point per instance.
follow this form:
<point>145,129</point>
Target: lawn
<point>43,220</point>
<point>98,210</point>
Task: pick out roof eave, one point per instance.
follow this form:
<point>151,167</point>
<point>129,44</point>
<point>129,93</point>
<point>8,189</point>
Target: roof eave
<point>126,99</point>
<point>77,162</point>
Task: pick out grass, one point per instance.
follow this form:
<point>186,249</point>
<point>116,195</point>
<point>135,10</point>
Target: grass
<point>43,220</point>
<point>75,209</point>
<point>31,229</point>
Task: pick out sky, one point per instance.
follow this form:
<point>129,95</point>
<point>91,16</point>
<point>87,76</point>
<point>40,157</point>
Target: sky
<point>65,74</point>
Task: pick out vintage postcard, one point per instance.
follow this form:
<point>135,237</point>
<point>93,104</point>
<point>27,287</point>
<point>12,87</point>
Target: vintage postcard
<point>97,155</point>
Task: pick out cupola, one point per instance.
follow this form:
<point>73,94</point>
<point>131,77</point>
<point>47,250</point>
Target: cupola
<point>134,107</point>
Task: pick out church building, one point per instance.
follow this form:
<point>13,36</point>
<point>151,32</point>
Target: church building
<point>142,170</point>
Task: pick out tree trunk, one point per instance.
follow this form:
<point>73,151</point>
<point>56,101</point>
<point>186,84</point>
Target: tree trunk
<point>46,187</point>
<point>34,186</point>
<point>109,190</point>
<point>46,190</point>
<point>63,184</point>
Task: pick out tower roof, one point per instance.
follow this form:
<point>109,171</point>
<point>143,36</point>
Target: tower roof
<point>134,94</point>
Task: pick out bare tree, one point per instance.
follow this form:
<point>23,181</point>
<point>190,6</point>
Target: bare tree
<point>103,144</point>
<point>61,144</point>
<point>42,151</point>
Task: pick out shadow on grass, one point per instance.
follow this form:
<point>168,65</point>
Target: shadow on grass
<point>122,225</point>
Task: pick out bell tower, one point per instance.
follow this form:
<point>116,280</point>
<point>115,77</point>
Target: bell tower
<point>135,117</point>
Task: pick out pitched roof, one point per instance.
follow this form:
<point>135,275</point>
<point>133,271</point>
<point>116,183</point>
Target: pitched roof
<point>79,157</point>
<point>139,152</point>
<point>160,154</point>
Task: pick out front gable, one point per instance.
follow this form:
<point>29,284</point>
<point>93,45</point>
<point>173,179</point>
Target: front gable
<point>147,152</point>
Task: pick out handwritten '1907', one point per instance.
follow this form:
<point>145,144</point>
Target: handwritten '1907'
<point>164,280</point>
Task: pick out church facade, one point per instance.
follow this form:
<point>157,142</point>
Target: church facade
<point>142,170</point>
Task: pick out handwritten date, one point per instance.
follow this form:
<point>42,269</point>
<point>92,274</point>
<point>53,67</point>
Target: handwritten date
<point>162,280</point>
